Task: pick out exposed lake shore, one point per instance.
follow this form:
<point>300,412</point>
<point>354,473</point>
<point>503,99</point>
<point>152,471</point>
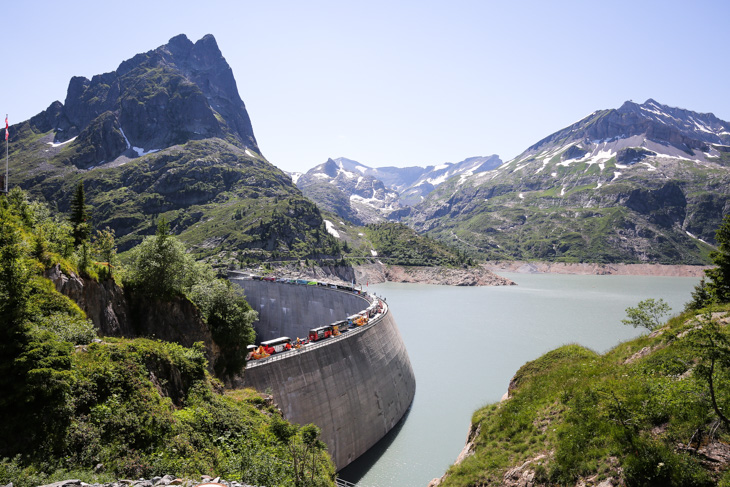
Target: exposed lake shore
<point>585,269</point>
<point>486,274</point>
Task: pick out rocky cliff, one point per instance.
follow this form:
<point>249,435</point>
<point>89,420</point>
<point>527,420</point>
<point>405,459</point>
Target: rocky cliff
<point>167,135</point>
<point>178,92</point>
<point>119,314</point>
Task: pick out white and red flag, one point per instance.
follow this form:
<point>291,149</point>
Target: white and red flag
<point>6,127</point>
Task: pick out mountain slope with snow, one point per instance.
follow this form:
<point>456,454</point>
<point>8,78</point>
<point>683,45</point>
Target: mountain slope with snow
<point>641,183</point>
<point>378,194</point>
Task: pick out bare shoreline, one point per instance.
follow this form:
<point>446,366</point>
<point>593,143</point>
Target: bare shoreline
<point>585,268</point>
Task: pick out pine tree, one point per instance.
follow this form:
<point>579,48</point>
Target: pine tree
<point>717,287</point>
<point>79,216</point>
<point>720,276</point>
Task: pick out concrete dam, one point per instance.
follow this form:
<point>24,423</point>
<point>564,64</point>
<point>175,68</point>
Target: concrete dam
<point>355,387</point>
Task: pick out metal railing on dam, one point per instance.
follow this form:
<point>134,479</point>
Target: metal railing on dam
<point>355,387</point>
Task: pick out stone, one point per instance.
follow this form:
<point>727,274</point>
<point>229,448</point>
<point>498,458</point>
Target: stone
<point>165,480</point>
<point>64,483</point>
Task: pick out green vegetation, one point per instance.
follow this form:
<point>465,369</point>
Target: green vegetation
<point>96,409</point>
<point>652,411</point>
<point>79,216</point>
<point>647,314</point>
<point>223,202</point>
<point>161,269</point>
<point>717,290</point>
<point>403,246</point>
<point>575,414</point>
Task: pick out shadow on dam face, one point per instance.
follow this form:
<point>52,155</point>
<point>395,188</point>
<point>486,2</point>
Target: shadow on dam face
<point>354,472</point>
<point>356,388</point>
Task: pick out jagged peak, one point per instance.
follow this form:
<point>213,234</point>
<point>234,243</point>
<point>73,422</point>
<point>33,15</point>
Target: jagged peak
<point>209,44</point>
<point>180,42</point>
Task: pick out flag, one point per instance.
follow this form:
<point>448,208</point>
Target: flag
<point>6,127</point>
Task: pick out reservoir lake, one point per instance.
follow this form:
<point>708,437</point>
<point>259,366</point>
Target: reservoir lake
<point>466,343</point>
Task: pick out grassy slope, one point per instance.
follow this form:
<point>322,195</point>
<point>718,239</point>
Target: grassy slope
<point>401,245</point>
<point>598,416</point>
<point>530,214</point>
<point>138,407</point>
<point>220,199</point>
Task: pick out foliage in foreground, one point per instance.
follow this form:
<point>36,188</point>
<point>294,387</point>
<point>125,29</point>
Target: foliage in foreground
<point>161,269</point>
<point>716,289</point>
<point>137,408</point>
<point>639,413</point>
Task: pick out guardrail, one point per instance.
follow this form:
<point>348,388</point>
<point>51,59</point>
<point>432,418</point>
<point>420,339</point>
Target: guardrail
<point>344,483</point>
<point>313,346</point>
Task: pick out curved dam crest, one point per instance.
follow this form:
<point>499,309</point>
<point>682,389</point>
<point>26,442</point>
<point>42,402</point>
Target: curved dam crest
<point>355,387</point>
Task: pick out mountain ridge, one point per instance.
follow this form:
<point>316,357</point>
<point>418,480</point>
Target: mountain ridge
<point>388,192</point>
<point>635,184</point>
<point>168,135</point>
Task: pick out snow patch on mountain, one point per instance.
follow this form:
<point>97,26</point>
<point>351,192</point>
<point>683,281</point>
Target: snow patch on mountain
<point>331,229</point>
<point>141,152</point>
<point>59,144</point>
<point>599,158</point>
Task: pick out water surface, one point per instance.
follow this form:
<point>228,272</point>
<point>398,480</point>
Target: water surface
<point>465,344</point>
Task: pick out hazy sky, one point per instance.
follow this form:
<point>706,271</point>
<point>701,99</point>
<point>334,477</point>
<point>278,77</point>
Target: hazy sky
<point>388,82</point>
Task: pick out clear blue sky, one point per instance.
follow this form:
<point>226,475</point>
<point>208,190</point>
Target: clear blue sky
<point>387,82</point>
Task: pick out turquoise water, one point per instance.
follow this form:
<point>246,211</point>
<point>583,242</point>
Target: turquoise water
<point>465,344</point>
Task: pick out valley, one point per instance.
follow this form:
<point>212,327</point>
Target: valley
<point>132,364</point>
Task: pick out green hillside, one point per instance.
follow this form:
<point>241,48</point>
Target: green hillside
<point>652,411</point>
<point>219,199</point>
<point>401,245</point>
<point>642,413</point>
<point>75,405</point>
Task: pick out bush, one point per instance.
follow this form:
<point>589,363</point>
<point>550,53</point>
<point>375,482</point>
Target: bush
<point>69,328</point>
<point>230,318</point>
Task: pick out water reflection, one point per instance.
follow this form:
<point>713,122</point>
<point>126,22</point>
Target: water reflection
<point>358,469</point>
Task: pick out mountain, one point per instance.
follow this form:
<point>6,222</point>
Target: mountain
<point>364,194</point>
<point>415,183</point>
<point>641,183</point>
<point>167,134</point>
<point>344,188</point>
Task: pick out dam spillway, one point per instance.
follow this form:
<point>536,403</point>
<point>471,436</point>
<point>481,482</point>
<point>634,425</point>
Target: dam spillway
<point>355,387</point>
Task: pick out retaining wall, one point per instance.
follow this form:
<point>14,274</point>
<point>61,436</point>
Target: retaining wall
<point>355,387</point>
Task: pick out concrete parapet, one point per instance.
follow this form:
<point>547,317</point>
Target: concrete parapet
<point>291,309</point>
<point>356,388</point>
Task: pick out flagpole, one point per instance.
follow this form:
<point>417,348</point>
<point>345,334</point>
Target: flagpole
<point>6,152</point>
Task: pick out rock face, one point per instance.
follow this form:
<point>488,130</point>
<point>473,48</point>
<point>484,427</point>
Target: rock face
<point>167,134</point>
<point>349,193</point>
<point>378,272</point>
<point>115,313</point>
<point>175,93</point>
<point>473,276</point>
<point>103,302</point>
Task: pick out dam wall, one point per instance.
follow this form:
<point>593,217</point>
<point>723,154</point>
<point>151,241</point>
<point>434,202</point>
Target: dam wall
<point>291,310</point>
<point>355,387</point>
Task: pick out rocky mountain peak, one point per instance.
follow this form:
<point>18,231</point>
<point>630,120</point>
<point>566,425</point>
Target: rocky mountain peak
<point>329,168</point>
<point>178,92</point>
